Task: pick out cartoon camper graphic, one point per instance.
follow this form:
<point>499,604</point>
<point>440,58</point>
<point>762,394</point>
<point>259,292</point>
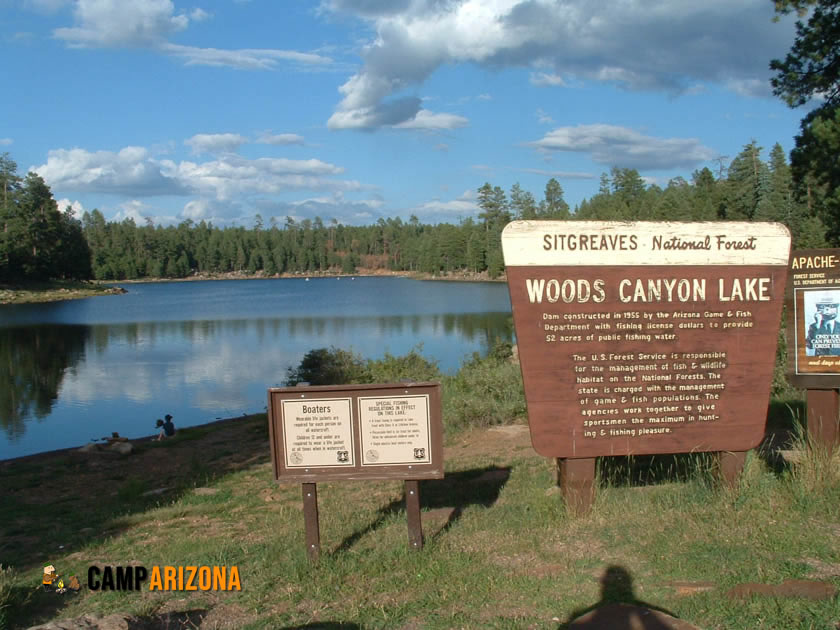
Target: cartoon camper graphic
<point>50,576</point>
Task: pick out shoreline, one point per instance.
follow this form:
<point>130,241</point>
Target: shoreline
<point>54,291</point>
<point>362,273</point>
<point>62,452</point>
<point>58,291</point>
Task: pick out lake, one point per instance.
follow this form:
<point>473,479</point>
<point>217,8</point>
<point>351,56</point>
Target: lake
<point>75,371</point>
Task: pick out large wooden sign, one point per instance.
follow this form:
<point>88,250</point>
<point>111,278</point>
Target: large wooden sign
<point>813,326</point>
<point>324,433</point>
<point>644,338</point>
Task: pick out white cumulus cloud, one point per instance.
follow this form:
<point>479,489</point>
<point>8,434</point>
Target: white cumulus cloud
<point>650,45</point>
<point>138,211</point>
<point>115,23</point>
<point>544,78</point>
<point>215,142</point>
<point>134,172</point>
<point>280,138</point>
<point>612,145</point>
<point>199,15</point>
<point>130,171</point>
<point>424,119</point>
<point>76,207</point>
<point>151,23</point>
<point>242,58</point>
<point>233,176</point>
<point>464,205</point>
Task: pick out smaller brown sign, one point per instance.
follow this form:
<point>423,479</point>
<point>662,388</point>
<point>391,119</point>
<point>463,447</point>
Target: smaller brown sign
<point>813,327</point>
<point>338,432</point>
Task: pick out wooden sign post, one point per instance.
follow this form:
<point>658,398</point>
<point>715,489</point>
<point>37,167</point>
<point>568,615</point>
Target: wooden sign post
<point>356,432</point>
<point>644,338</point>
<point>813,334</point>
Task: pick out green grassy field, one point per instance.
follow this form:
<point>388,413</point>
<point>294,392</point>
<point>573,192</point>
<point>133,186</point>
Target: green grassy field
<point>500,549</point>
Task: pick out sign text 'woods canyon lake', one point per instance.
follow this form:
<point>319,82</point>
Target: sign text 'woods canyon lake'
<point>645,338</point>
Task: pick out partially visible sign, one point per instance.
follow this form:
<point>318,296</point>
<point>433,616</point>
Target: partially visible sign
<point>323,433</point>
<point>644,338</point>
<point>813,326</point>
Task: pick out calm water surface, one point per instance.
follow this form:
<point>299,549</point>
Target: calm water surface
<point>75,371</point>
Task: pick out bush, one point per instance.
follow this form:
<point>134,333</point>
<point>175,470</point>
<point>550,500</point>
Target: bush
<point>485,391</point>
<point>412,366</point>
<point>329,366</point>
<point>780,387</point>
<point>7,595</point>
<point>333,366</point>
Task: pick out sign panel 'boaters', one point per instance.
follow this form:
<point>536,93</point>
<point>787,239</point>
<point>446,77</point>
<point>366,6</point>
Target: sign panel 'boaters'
<point>644,338</point>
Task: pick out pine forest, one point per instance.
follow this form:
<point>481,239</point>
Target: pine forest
<point>41,241</point>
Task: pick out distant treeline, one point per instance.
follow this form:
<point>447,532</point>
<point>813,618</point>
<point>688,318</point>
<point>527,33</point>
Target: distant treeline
<point>748,189</point>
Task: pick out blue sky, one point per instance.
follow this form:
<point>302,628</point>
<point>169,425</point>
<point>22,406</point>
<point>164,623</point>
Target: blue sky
<point>360,109</point>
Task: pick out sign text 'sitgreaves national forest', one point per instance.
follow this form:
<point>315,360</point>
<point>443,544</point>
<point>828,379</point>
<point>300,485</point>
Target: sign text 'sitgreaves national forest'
<point>644,338</point>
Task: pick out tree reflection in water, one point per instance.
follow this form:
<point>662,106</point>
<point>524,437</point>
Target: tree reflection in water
<point>33,361</point>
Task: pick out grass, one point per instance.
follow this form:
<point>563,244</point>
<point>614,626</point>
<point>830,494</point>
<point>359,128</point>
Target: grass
<point>501,550</point>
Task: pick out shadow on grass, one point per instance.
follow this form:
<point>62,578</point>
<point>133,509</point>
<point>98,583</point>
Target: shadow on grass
<point>783,426</point>
<point>455,492</point>
<point>618,607</point>
<point>29,603</point>
<point>646,470</point>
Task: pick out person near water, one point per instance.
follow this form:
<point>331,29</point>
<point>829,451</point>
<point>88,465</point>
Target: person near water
<point>167,429</point>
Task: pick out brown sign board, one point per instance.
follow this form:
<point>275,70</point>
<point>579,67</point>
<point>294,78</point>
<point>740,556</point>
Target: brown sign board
<point>813,328</point>
<point>645,338</point>
<point>354,432</point>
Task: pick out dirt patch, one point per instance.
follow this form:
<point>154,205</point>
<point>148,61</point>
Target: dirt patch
<point>823,570</point>
<point>492,441</point>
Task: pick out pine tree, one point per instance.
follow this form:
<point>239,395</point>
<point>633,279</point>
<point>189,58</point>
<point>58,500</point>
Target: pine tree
<point>748,185</point>
<point>553,206</point>
<point>522,203</point>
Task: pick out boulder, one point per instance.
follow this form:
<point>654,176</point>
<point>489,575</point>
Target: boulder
<point>123,448</point>
<point>116,621</point>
